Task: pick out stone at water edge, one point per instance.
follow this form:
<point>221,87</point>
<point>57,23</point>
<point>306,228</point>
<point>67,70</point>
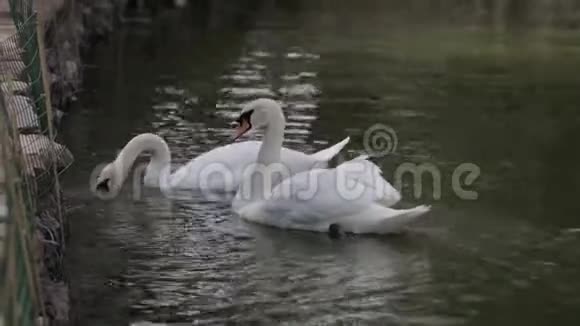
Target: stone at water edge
<point>12,70</point>
<point>40,153</point>
<point>14,87</point>
<point>22,113</point>
<point>10,49</point>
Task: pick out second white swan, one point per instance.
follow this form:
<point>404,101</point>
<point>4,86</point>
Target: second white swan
<point>219,170</point>
<point>352,198</point>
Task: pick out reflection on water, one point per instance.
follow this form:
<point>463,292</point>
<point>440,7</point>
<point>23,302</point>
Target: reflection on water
<point>267,276</point>
<point>257,75</point>
<point>489,82</point>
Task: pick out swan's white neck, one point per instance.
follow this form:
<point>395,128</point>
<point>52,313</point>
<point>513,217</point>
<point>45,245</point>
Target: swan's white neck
<point>272,142</point>
<point>159,164</point>
<point>257,184</point>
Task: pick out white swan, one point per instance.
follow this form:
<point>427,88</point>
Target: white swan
<point>351,198</point>
<point>218,170</point>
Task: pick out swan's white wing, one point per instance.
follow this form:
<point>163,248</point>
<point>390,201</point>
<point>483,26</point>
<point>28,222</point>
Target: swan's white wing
<point>297,161</point>
<point>219,169</point>
<point>223,167</point>
<point>368,173</point>
<point>322,193</point>
<point>352,196</point>
<point>327,154</point>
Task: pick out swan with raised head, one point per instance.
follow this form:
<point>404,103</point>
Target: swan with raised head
<point>351,198</point>
<point>219,170</point>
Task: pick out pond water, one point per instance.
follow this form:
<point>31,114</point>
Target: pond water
<point>459,82</point>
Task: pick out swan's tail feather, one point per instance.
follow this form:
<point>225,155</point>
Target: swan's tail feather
<point>328,153</point>
<point>379,219</point>
<point>397,219</point>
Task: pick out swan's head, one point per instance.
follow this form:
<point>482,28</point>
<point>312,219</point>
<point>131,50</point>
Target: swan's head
<point>259,114</point>
<point>108,182</point>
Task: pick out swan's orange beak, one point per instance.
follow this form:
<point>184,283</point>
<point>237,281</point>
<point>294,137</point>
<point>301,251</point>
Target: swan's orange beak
<point>244,127</point>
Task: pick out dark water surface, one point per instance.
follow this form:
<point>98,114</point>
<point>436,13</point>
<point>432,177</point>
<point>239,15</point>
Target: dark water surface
<point>458,81</point>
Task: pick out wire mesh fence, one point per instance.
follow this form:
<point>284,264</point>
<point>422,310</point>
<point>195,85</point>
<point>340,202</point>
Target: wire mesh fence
<point>30,163</point>
<point>20,304</point>
<point>24,46</point>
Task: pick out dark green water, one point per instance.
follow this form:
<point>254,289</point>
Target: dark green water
<point>458,81</point>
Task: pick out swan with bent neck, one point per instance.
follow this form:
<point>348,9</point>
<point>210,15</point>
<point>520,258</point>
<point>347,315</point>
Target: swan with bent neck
<point>351,198</point>
<point>220,169</point>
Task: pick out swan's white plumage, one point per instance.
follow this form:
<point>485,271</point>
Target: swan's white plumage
<point>353,197</point>
<point>358,202</point>
<point>220,169</point>
<point>369,174</point>
<point>233,159</point>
